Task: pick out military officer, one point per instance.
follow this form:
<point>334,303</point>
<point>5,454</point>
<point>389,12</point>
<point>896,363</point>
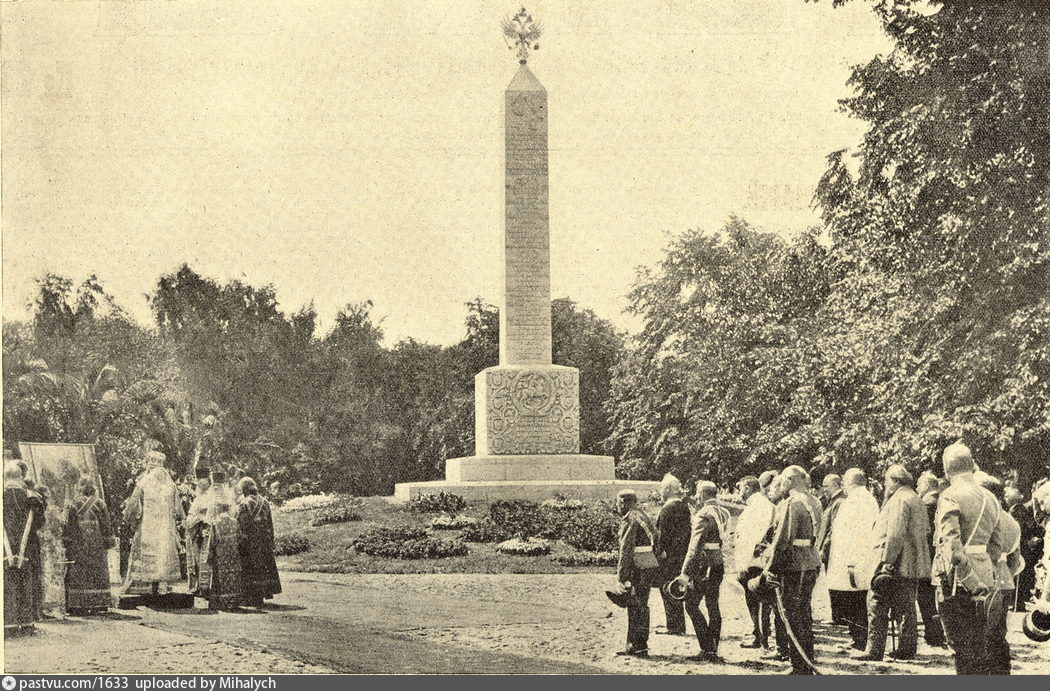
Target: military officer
<point>967,523</point>
<point>792,562</point>
<point>636,577</point>
<point>704,569</point>
<point>1008,564</point>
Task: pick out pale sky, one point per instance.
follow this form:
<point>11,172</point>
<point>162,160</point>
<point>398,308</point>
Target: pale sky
<point>346,151</point>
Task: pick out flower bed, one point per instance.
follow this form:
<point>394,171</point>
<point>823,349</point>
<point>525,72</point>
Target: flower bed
<point>342,514</point>
<point>530,547</point>
<point>452,523</point>
<point>406,542</point>
<point>587,559</point>
<point>313,501</point>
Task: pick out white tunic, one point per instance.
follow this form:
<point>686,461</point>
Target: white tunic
<point>853,542</point>
<point>751,527</point>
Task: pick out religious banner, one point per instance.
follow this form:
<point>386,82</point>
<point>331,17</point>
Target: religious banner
<point>58,467</point>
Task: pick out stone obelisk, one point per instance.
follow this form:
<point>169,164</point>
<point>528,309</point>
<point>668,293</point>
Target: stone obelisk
<point>527,409</point>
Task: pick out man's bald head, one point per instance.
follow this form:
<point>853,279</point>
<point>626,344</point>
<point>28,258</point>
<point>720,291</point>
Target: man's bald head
<point>927,481</point>
<point>705,489</point>
<point>899,475</point>
<point>1012,496</point>
<point>957,460</point>
<point>855,477</point>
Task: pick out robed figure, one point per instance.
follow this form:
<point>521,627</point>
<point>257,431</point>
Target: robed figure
<point>197,522</point>
<point>221,579</point>
<point>154,506</point>
<point>23,518</point>
<point>259,566</point>
<point>87,537</point>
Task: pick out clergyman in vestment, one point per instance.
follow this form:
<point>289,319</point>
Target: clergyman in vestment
<point>154,506</point>
<point>87,537</point>
<point>224,587</point>
<point>261,580</point>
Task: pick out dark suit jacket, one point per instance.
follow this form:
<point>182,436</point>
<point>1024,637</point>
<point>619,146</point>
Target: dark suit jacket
<point>673,527</point>
<point>902,535</point>
<point>824,539</point>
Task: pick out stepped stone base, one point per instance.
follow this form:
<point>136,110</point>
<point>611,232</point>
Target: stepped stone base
<point>528,476</point>
<point>536,490</point>
<point>528,467</point>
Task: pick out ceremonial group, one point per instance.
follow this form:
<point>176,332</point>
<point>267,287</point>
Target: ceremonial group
<point>212,538</point>
<point>957,552</point>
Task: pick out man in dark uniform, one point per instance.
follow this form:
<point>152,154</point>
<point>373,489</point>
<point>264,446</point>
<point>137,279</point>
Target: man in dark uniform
<point>832,498</point>
<point>1027,517</point>
<point>928,487</point>
<point>902,554</point>
<point>967,534</point>
<point>793,563</point>
<point>672,526</point>
<point>637,533</point>
<point>704,569</point>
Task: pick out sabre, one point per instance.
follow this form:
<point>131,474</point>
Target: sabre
<point>25,539</point>
<point>9,554</point>
<point>790,631</point>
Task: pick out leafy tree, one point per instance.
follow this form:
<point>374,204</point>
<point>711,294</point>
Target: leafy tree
<point>708,386</point>
<point>944,229</point>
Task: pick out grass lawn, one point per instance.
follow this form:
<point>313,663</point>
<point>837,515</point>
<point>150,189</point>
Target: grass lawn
<point>330,550</point>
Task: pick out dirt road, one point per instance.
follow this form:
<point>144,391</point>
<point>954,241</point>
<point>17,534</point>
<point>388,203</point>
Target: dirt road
<point>441,623</point>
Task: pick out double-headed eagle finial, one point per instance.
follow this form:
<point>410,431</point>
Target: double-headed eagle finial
<point>521,32</point>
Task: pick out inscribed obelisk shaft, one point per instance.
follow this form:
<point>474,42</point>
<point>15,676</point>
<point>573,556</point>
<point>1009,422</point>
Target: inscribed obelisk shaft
<point>525,326</point>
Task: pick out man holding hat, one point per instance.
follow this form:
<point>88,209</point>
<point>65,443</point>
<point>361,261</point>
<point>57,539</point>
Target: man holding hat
<point>672,526</point>
<point>902,555</point>
<point>967,526</point>
<point>637,570</point>
<point>704,569</point>
<point>751,528</point>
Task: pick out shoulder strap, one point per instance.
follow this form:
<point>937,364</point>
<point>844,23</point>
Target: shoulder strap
<point>643,523</point>
<point>973,531</point>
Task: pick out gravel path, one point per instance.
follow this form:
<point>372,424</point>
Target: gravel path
<point>442,623</point>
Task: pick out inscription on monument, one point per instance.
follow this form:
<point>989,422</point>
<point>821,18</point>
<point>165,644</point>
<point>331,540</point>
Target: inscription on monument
<point>528,410</point>
<point>525,318</point>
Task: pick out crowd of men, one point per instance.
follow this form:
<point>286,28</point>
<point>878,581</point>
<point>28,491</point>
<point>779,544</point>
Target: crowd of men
<point>214,541</point>
<point>957,552</point>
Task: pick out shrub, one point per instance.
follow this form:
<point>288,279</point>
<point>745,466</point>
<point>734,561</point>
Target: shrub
<point>285,545</point>
<point>406,542</point>
<point>519,518</point>
<point>452,522</point>
<point>587,559</point>
<point>484,530</point>
<point>341,514</point>
<point>445,502</point>
<point>530,547</point>
<point>592,529</point>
